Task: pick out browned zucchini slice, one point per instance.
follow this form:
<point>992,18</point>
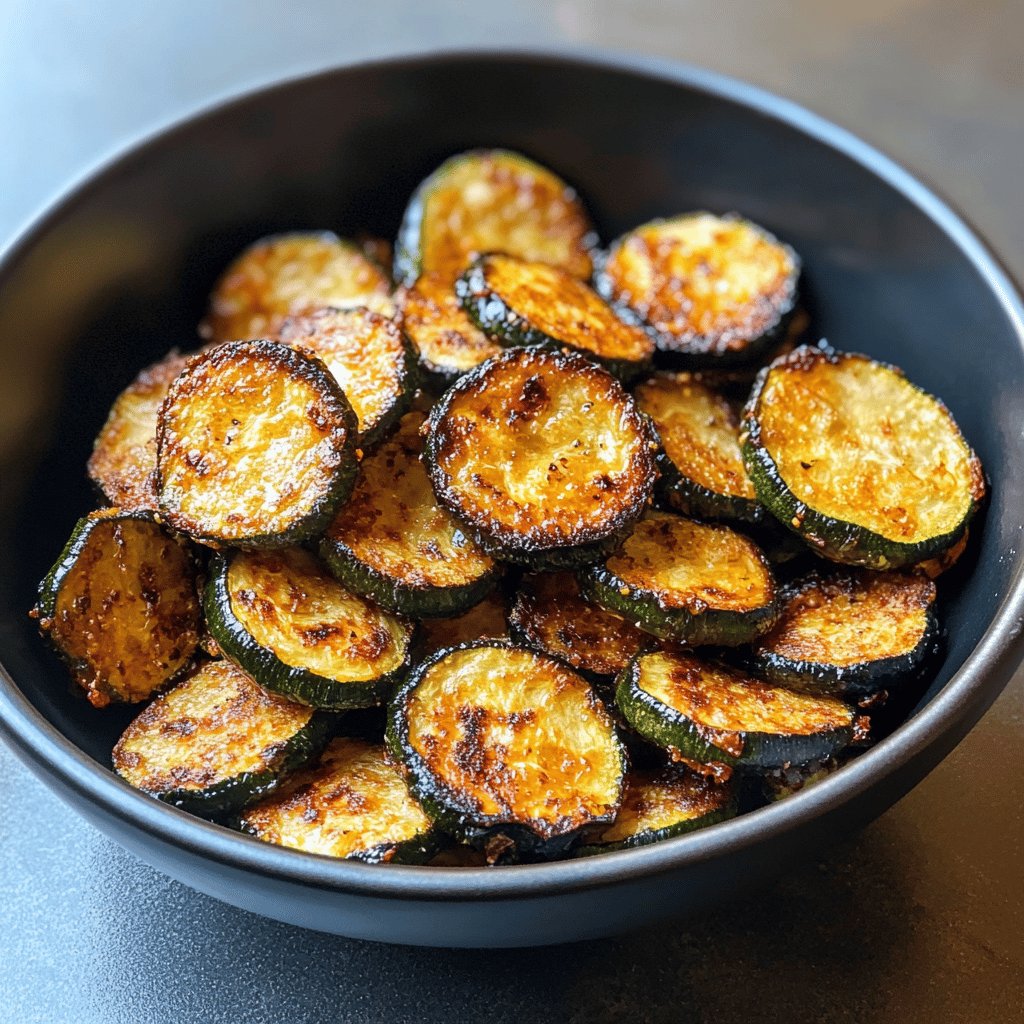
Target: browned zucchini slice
<point>543,455</point>
<point>256,445</point>
<point>933,568</point>
<point>485,620</point>
<point>121,606</point>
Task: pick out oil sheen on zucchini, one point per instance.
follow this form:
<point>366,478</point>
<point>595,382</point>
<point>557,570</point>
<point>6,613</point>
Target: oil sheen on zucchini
<point>866,467</point>
<point>297,631</point>
<point>709,713</point>
<point>507,748</point>
<point>255,446</point>
<point>217,742</point>
<point>393,543</point>
<point>543,455</point>
<point>121,607</point>
<point>353,804</point>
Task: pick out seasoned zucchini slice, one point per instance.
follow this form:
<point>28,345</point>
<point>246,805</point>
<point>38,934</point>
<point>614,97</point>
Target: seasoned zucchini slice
<point>288,275</point>
<point>370,359</point>
<point>707,712</point>
<point>702,472</point>
<point>123,460</point>
<point>217,742</point>
<point>710,289</point>
<point>933,568</point>
<point>256,445</point>
<point>522,302</point>
<point>852,633</point>
<point>490,200</point>
<point>506,747</point>
<point>866,467</point>
<point>485,620</point>
<point>543,455</point>
<point>393,543</point>
<point>780,783</point>
<point>297,631</point>
<point>121,607</point>
<point>353,803</point>
<point>683,580</point>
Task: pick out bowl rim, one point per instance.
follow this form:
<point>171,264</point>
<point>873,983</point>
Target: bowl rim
<point>965,696</point>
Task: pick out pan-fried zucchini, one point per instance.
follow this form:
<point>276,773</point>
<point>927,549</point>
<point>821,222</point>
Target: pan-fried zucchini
<point>486,200</point>
<point>866,467</point>
<point>522,302</point>
<point>485,620</point>
<point>711,290</point>
<point>353,803</point>
<point>288,275</point>
<point>217,742</point>
<point>120,606</point>
<point>708,713</point>
<point>297,631</point>
<point>394,544</point>
<point>507,747</point>
<point>256,445</point>
<point>780,783</point>
<point>933,568</point>
<point>542,455</point>
<point>690,581</point>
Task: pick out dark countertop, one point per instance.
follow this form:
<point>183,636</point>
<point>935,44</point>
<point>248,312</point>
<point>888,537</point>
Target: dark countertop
<point>919,918</point>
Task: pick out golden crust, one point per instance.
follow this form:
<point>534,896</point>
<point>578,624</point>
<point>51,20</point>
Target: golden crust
<point>484,620</point>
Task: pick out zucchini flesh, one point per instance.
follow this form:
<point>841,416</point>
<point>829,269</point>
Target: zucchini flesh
<point>394,544</point>
<point>522,302</point>
<point>255,445</point>
<point>543,455</point>
<point>121,607</point>
<point>684,580</point>
<point>297,631</point>
<point>866,467</point>
<point>486,200</point>
<point>217,741</point>
<point>288,275</point>
<point>709,713</point>
<point>498,741</point>
<point>485,620</point>
<point>123,460</point>
<point>353,804</point>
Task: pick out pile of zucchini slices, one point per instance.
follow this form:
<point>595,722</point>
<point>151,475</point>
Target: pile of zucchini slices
<point>483,560</point>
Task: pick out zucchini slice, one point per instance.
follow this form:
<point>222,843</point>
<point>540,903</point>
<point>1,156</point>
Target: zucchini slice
<point>543,455</point>
<point>780,783</point>
<point>492,199</point>
<point>121,607</point>
<point>394,544</point>
<point>709,713</point>
<point>353,804</point>
<point>867,468</point>
<point>370,359</point>
<point>123,460</point>
<point>255,445</point>
<point>689,581</point>
<point>711,290</point>
<point>702,472</point>
<point>217,742</point>
<point>851,633</point>
<point>297,631</point>
<point>933,568</point>
<point>291,274</point>
<point>522,302</point>
<point>485,620</point>
<point>507,747</point>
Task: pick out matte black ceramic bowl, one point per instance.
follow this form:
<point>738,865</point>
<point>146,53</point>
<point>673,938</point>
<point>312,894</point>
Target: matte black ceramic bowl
<point>120,269</point>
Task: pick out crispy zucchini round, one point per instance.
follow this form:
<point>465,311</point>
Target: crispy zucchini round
<point>393,543</point>
<point>492,199</point>
<point>867,468</point>
<point>297,631</point>
<point>120,606</point>
<point>543,455</point>
<point>255,446</point>
<point>353,804</point>
<point>484,621</point>
<point>523,302</point>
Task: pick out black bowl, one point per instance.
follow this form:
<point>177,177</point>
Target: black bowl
<point>119,271</point>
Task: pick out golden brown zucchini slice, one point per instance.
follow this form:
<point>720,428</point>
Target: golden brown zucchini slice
<point>543,455</point>
<point>256,445</point>
<point>866,467</point>
<point>121,606</point>
<point>485,620</point>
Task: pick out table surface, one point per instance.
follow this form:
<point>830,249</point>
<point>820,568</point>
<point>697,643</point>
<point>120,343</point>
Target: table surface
<point>919,918</point>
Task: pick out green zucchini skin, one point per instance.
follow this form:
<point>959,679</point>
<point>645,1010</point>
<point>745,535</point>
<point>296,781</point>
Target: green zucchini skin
<point>689,498</point>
